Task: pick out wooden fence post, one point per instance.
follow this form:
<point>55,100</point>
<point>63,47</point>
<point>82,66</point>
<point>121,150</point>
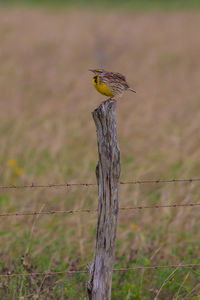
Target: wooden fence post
<point>108,175</point>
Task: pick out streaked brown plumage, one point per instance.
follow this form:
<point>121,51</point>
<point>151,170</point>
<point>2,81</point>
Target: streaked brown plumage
<point>111,84</point>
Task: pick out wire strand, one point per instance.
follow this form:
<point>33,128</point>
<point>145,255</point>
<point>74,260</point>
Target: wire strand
<point>53,212</point>
<point>47,273</point>
<point>33,185</point>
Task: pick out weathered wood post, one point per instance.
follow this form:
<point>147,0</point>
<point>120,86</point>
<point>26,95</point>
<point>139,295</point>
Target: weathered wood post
<point>108,175</point>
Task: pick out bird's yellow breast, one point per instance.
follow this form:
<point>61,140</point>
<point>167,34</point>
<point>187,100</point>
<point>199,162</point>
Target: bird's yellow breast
<point>101,87</point>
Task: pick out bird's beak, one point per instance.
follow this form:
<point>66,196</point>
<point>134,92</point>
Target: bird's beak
<point>91,70</point>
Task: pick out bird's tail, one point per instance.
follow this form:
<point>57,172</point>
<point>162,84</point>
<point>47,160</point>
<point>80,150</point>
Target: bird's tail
<point>131,90</point>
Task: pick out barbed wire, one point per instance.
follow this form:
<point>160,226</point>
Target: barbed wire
<point>48,273</point>
<point>149,181</point>
<point>160,181</point>
<point>53,212</point>
<point>33,185</point>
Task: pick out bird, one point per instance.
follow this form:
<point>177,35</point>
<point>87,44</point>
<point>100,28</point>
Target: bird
<point>110,84</point>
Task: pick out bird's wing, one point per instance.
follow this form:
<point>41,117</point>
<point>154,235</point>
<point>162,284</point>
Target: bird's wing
<point>120,78</point>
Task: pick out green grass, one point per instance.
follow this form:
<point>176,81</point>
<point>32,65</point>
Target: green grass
<point>115,4</point>
<point>134,284</point>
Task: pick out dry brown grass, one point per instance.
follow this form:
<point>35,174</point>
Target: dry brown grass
<point>46,99</point>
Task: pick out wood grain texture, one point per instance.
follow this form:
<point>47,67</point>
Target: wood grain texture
<point>108,175</point>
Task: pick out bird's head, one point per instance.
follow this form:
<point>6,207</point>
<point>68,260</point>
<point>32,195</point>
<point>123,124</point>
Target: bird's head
<point>97,71</point>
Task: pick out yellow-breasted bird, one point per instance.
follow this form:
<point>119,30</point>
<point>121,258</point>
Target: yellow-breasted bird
<point>110,84</point>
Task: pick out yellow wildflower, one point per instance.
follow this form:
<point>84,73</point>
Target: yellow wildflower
<point>11,163</point>
<point>134,226</point>
<point>18,171</point>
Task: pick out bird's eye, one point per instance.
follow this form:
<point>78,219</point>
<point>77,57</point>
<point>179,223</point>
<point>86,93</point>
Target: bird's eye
<point>95,79</point>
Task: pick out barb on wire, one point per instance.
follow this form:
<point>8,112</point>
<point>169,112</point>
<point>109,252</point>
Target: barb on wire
<point>33,185</point>
<point>48,273</point>
<point>53,212</point>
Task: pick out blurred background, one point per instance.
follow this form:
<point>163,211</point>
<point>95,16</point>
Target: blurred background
<point>48,136</point>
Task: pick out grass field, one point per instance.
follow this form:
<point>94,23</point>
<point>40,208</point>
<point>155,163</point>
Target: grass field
<point>112,4</point>
<point>48,136</point>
